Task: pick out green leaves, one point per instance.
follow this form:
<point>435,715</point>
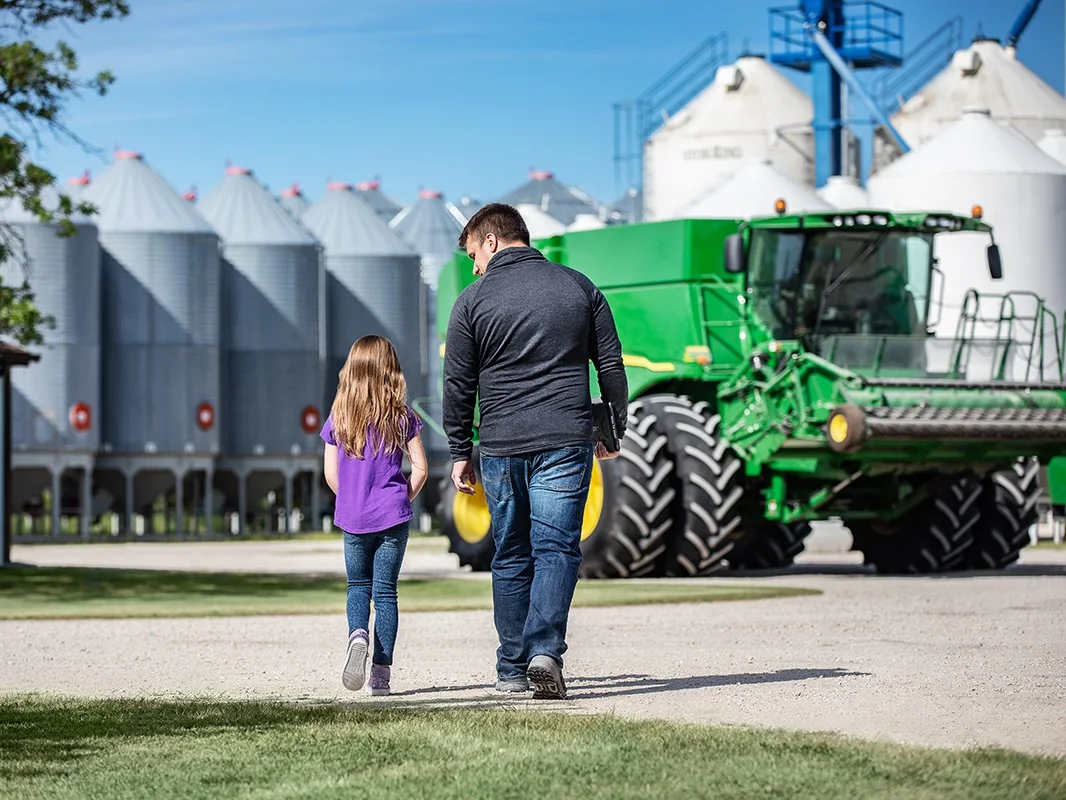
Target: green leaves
<point>35,86</point>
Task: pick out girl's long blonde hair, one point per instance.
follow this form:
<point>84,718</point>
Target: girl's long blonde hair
<point>371,399</point>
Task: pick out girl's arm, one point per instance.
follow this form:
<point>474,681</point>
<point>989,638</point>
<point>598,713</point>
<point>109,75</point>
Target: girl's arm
<point>329,466</point>
<point>419,471</point>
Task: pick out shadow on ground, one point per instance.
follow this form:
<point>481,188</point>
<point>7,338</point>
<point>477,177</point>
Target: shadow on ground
<point>592,688</point>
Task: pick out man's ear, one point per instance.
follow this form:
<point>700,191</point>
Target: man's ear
<point>492,241</point>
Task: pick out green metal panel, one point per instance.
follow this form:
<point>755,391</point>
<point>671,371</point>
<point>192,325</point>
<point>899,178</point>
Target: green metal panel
<point>1056,478</point>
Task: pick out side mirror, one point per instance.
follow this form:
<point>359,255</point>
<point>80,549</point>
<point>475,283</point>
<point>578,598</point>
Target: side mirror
<point>734,254</point>
<point>995,262</point>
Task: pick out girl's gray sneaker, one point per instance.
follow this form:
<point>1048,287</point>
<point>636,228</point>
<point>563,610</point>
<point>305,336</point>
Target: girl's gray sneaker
<point>379,680</point>
<point>354,674</point>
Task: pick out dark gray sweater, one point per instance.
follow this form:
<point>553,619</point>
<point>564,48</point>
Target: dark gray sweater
<point>519,344</point>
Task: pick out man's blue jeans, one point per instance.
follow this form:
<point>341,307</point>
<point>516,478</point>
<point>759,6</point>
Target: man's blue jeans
<point>372,561</point>
<point>537,502</point>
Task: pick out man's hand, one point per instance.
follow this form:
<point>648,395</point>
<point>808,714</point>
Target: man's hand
<point>603,454</point>
<point>463,476</point>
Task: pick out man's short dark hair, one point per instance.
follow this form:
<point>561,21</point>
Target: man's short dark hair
<point>498,218</point>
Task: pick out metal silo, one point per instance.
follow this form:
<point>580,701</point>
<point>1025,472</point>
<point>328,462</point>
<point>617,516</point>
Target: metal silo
<point>372,284</point>
<point>272,368</point>
<point>750,111</point>
<point>383,205</point>
<point>56,403</point>
<point>752,192</point>
<point>552,197</point>
<point>160,306</point>
<point>586,222</point>
<point>293,201</point>
<point>844,192</point>
<point>987,75</point>
<point>431,227</point>
<point>1022,191</point>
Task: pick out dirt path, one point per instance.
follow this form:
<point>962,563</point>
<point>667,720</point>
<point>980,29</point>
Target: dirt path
<point>949,662</point>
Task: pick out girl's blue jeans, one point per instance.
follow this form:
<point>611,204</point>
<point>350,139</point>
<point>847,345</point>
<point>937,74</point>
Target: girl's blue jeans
<point>372,561</point>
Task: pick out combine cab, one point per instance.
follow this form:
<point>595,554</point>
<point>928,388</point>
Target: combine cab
<point>785,370</point>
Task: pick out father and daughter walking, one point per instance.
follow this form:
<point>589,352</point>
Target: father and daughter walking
<point>518,346</point>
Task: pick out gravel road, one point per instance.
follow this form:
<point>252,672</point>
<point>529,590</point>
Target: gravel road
<point>952,661</point>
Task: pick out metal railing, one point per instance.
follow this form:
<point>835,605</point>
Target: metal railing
<point>891,88</point>
<point>1026,335</point>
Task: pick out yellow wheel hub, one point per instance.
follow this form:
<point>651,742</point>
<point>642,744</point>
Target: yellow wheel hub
<point>838,428</point>
<point>470,512</point>
<point>594,504</point>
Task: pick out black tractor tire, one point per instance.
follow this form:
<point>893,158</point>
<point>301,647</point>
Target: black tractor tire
<point>1008,509</point>
<point>771,545</point>
<point>638,498</point>
<point>464,519</point>
<point>711,477</point>
<point>933,537</point>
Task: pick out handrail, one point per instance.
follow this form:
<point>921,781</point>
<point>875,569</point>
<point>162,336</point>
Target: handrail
<point>922,62</point>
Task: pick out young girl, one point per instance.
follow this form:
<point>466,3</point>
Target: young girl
<point>366,434</point>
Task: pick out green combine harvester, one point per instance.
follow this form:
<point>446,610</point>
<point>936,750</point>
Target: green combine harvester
<point>783,370</point>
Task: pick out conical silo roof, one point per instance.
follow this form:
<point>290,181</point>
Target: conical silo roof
<point>134,198</point>
<point>468,206</point>
<point>844,192</point>
<point>1054,144</point>
<point>431,226</point>
<point>346,225</point>
<point>13,212</point>
<point>294,201</point>
<point>552,197</point>
<point>986,75</point>
<point>243,212</point>
<point>540,225</point>
<point>752,192</point>
<point>974,144</point>
<point>383,205</point>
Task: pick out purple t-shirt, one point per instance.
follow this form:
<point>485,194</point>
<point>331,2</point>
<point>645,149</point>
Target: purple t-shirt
<point>372,492</point>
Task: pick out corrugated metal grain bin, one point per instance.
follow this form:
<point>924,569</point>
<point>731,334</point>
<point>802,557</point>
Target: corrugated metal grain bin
<point>160,304</point>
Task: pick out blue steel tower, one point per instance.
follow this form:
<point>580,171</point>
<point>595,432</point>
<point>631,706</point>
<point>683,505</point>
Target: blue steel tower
<point>831,39</point>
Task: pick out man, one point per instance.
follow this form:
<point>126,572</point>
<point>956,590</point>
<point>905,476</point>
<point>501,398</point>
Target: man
<point>519,344</point>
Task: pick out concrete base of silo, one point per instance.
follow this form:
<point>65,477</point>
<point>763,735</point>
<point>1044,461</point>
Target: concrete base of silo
<point>66,476</point>
<point>136,482</point>
<point>245,481</point>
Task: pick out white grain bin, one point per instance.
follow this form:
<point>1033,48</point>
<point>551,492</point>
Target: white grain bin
<point>750,111</point>
<point>540,224</point>
<point>1022,191</point>
<point>1054,144</point>
<point>586,222</point>
<point>753,192</point>
<point>844,192</point>
<point>984,75</point>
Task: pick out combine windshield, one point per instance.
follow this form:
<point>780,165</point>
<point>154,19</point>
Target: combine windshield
<point>813,285</point>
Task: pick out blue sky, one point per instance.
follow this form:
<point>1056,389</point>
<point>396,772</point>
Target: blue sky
<point>464,96</point>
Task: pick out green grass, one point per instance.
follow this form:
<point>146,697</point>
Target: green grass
<point>56,749</point>
<point>77,592</point>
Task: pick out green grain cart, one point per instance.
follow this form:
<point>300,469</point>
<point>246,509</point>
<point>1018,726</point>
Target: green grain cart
<point>784,370</point>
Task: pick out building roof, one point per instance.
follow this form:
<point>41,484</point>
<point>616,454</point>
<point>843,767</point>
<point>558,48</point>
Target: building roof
<point>431,226</point>
<point>14,356</point>
<point>629,207</point>
<point>1054,144</point>
<point>134,198</point>
<point>243,212</point>
<point>844,192</point>
<point>13,212</point>
<point>383,205</point>
<point>346,225</point>
<point>552,197</point>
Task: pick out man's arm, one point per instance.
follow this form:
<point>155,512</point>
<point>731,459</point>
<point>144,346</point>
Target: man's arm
<point>605,350</point>
<point>460,383</point>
